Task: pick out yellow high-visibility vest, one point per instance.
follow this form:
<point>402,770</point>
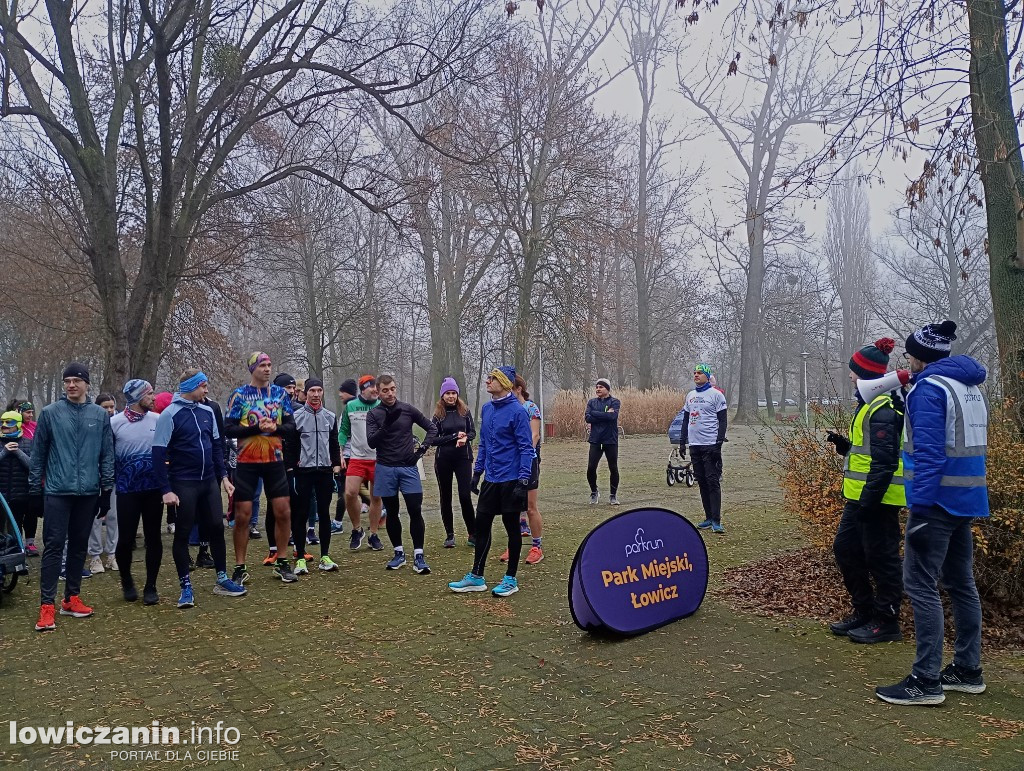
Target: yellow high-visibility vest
<point>858,459</point>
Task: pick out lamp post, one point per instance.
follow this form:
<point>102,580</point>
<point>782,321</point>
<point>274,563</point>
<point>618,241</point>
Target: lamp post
<point>540,383</point>
<point>804,355</point>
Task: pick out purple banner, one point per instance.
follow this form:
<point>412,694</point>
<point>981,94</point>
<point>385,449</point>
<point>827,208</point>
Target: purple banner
<point>637,571</point>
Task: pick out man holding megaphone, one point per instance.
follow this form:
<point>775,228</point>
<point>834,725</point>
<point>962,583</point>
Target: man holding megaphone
<point>867,544</point>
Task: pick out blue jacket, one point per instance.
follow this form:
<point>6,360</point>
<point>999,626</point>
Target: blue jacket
<point>187,445</point>
<point>72,450</point>
<point>944,453</point>
<point>604,425</point>
<point>505,452</point>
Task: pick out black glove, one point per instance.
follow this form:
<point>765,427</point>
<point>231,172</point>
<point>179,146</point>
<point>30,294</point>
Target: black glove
<point>840,442</point>
<point>521,492</point>
<point>475,486</point>
<point>390,416</point>
<point>104,504</point>
<point>682,450</point>
<point>421,450</point>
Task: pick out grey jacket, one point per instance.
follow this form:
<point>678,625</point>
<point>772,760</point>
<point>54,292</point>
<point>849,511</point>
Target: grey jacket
<point>318,438</point>
<point>72,450</point>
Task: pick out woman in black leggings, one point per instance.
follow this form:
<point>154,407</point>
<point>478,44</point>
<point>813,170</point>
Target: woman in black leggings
<point>454,457</point>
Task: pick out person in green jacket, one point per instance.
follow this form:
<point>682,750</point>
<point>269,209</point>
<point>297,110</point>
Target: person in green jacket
<point>72,465</point>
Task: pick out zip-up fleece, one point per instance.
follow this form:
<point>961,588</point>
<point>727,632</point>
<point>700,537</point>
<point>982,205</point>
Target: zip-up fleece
<point>73,450</point>
<point>318,438</point>
<point>187,444</point>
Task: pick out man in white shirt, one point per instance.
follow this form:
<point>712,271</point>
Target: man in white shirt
<point>705,419</point>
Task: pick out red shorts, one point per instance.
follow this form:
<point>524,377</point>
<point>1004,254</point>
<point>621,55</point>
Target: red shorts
<point>361,468</point>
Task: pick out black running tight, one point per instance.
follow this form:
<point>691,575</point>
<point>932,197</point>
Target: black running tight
<point>418,528</point>
<point>131,507</point>
<point>198,501</point>
<point>484,523</point>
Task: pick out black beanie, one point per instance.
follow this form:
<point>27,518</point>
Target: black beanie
<point>284,380</point>
<point>932,341</point>
<point>349,387</point>
<point>872,361</point>
<point>312,382</point>
<point>75,369</point>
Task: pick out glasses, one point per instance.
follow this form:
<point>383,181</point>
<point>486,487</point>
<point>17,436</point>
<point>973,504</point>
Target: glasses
<point>68,381</point>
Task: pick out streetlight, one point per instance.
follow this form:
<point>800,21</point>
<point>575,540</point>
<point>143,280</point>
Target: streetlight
<point>540,383</point>
<point>804,355</point>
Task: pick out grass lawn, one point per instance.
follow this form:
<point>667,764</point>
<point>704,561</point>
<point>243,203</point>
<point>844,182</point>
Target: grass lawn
<point>367,669</point>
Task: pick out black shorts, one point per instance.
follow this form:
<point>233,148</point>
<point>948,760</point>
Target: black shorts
<point>535,474</point>
<point>498,498</point>
<point>275,480</point>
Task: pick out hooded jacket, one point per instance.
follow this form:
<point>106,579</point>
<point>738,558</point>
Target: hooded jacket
<point>946,438</point>
<point>72,450</point>
<point>505,452</point>
<point>14,467</point>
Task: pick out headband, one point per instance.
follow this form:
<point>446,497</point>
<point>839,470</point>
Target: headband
<point>502,378</point>
<point>190,385</point>
<point>256,359</point>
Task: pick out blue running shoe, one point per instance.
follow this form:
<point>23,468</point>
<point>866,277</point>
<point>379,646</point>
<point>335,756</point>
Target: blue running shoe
<point>705,524</point>
<point>336,527</point>
<point>420,565</point>
<point>397,561</point>
<point>186,600</point>
<point>357,540</point>
<point>507,586</point>
<point>311,537</point>
<point>375,543</point>
<point>470,583</point>
<point>86,573</point>
<point>717,528</point>
<point>228,588</point>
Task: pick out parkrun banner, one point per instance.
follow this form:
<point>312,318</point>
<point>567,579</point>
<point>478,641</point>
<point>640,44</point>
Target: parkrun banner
<point>637,571</point>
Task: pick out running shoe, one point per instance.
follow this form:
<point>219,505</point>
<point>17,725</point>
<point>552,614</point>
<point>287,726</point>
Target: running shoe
<point>397,561</point>
<point>228,588</point>
<point>449,542</point>
<point>111,563</point>
<point>284,571</point>
<point>150,596</point>
<point>31,550</point>
<point>86,573</point>
<point>507,586</point>
<point>131,594</point>
<point>46,621</point>
<point>955,678</point>
<point>307,556</point>
<point>375,543</point>
<point>311,537</point>
<point>204,559</point>
<point>327,564</point>
<point>535,555</point>
<point>912,692</point>
<point>170,529</point>
<point>96,565</point>
<point>594,497</point>
<point>240,576</point>
<point>356,540</point>
<point>504,556</point>
<point>471,542</point>
<point>75,607</point>
<point>254,532</point>
<point>524,529</point>
<point>705,524</point>
<point>271,559</point>
<point>363,508</point>
<point>300,568</point>
<point>613,500</point>
<point>186,600</point>
<point>337,528</point>
<point>717,528</point>
<point>419,564</point>
<point>469,583</point>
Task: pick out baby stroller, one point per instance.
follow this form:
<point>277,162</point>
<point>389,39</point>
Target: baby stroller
<point>12,550</point>
<point>679,469</point>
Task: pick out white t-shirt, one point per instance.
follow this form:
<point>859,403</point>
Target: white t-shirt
<point>704,407</point>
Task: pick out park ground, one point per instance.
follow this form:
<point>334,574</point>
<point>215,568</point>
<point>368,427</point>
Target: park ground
<point>366,669</point>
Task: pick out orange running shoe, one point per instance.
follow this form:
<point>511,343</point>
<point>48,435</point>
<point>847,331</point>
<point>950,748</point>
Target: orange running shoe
<point>271,560</point>
<point>504,556</point>
<point>46,622</point>
<point>75,607</point>
<point>535,555</point>
<point>308,557</point>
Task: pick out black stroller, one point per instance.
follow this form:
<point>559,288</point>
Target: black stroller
<point>678,469</point>
<point>12,550</point>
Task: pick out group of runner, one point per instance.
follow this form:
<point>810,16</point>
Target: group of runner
<point>87,463</point>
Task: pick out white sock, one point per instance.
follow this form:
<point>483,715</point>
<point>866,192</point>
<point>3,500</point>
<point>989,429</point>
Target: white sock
<point>417,552</point>
<point>399,550</point>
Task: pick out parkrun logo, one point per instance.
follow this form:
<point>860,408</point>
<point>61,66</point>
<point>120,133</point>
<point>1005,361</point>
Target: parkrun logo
<point>640,545</point>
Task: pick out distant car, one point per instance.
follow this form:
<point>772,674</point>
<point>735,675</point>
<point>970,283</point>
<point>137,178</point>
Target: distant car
<point>791,402</point>
<point>763,403</point>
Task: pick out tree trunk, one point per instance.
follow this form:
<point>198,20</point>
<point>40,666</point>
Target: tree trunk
<point>1002,177</point>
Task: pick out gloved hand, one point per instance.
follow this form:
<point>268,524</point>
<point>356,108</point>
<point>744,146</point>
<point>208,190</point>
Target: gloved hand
<point>682,450</point>
<point>421,450</point>
<point>104,504</point>
<point>390,416</point>
<point>475,486</point>
<point>521,492</point>
<point>840,442</point>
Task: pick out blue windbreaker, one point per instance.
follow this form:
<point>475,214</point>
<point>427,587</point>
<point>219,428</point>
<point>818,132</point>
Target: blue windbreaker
<point>187,444</point>
<point>505,452</point>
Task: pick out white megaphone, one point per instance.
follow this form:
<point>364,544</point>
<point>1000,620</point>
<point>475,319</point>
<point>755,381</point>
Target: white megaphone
<point>869,389</point>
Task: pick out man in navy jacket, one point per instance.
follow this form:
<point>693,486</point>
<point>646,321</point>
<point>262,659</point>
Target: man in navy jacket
<point>603,417</point>
<point>944,445</point>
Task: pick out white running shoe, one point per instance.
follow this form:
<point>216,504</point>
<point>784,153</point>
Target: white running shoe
<point>96,565</point>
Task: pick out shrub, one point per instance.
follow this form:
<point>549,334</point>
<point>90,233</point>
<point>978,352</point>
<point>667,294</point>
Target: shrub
<point>642,412</point>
